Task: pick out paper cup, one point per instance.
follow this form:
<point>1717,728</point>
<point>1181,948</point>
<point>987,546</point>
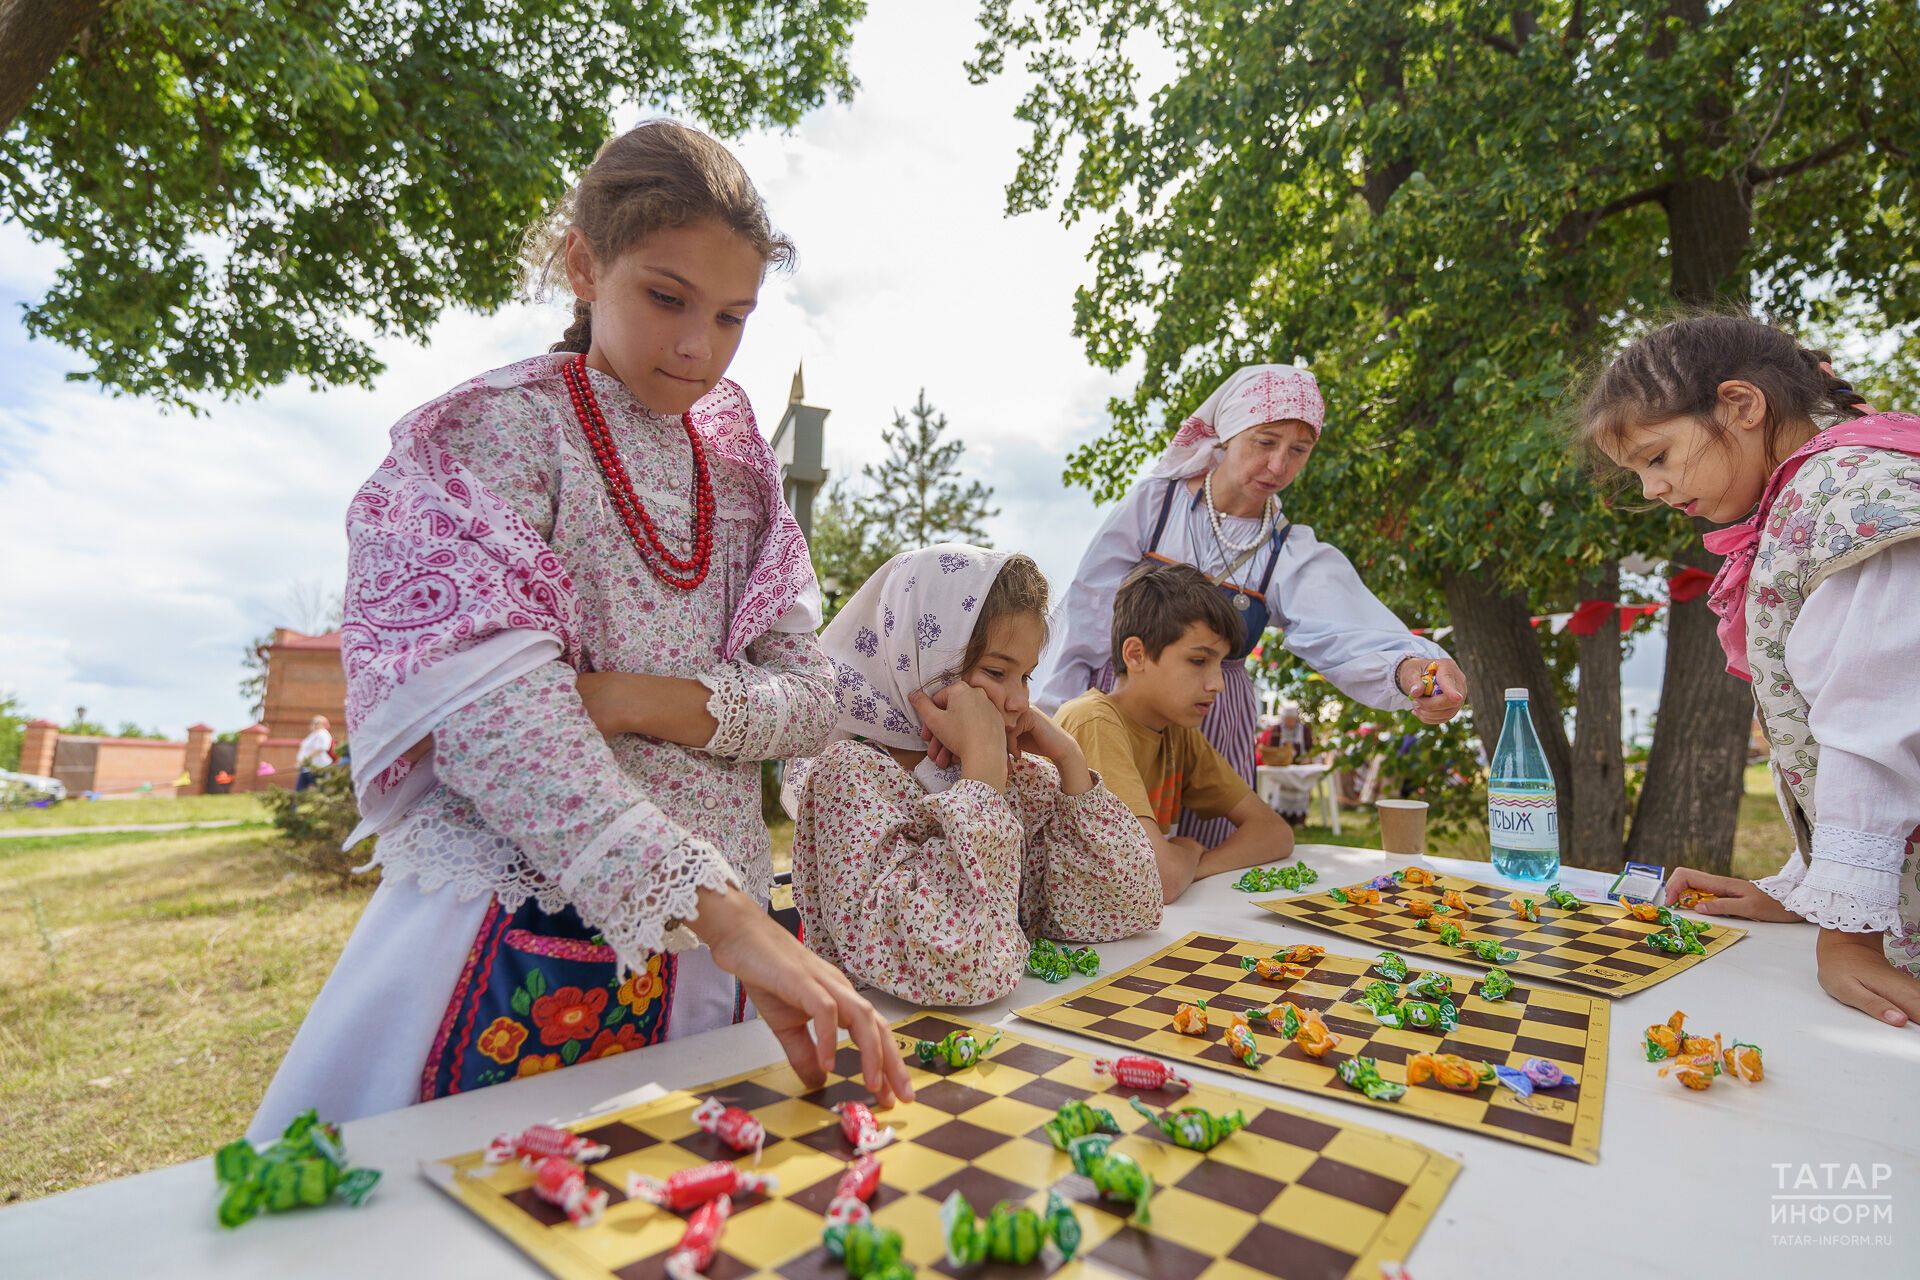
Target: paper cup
<point>1403,825</point>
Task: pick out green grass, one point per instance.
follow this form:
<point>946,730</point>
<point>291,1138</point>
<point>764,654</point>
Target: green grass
<point>109,813</point>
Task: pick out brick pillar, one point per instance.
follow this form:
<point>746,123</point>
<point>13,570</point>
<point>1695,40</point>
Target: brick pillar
<point>36,750</point>
<point>246,764</point>
<point>199,742</point>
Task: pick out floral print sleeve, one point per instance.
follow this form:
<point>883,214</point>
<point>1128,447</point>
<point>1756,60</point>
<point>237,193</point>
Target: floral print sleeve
<point>531,762</point>
<point>1090,874</point>
<point>775,704</point>
<point>912,893</point>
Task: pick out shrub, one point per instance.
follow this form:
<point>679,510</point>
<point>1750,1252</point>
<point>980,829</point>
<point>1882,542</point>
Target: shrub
<point>314,822</point>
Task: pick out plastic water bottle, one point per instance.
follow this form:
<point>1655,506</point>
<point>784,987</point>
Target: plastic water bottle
<point>1523,817</point>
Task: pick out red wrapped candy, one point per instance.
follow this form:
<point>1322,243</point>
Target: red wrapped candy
<point>690,1188</point>
<point>701,1240</point>
<point>861,1129</point>
<point>737,1128</point>
<point>1137,1071</point>
<point>857,1185</point>
<point>539,1141</point>
<point>562,1183</point>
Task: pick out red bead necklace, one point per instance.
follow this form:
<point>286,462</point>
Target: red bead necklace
<point>685,573</point>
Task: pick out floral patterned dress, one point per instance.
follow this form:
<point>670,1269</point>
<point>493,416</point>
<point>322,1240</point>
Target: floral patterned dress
<point>527,916</point>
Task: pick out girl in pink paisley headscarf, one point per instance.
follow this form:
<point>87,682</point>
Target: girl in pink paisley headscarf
<point>1735,423</point>
<point>578,617</point>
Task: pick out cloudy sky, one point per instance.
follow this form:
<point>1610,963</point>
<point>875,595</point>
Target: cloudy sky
<point>145,548</point>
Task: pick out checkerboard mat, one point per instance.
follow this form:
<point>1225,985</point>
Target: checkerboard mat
<point>1135,1007</point>
<point>1598,948</point>
<point>1292,1195</point>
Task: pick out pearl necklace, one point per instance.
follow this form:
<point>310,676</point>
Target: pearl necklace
<point>1267,514</point>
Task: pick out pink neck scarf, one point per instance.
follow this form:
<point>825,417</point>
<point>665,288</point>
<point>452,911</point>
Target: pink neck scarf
<point>1740,543</point>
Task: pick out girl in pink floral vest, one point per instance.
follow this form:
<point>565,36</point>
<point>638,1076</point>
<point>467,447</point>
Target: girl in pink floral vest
<point>1736,423</point>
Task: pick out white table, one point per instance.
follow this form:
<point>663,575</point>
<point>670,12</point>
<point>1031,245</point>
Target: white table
<point>1275,782</point>
<point>1685,1185</point>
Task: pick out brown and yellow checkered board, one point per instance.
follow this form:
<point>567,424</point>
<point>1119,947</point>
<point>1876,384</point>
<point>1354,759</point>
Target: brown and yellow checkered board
<point>1135,1007</point>
<point>1290,1195</point>
<point>1599,947</point>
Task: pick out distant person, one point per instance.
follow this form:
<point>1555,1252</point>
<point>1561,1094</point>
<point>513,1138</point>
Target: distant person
<point>316,752</point>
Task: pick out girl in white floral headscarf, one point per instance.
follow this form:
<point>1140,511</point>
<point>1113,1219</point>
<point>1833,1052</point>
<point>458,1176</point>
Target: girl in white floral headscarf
<point>928,882</point>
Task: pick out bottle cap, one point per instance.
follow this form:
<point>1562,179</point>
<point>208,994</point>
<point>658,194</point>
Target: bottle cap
<point>1517,694</point>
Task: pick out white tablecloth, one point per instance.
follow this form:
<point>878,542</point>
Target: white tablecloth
<point>1688,1184</point>
<point>1289,789</point>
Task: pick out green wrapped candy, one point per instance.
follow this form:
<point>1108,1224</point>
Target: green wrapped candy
<point>1379,991</point>
<point>1075,1119</point>
<point>1450,934</point>
<point>1115,1175</point>
<point>1497,985</point>
<point>1267,879</point>
<point>1560,898</point>
<point>863,1247</point>
<point>1430,1015</point>
<point>305,1167</point>
<point>1062,1227</point>
<point>1085,961</point>
<point>964,1246</point>
<point>1391,966</point>
<point>1364,1074</point>
<point>1047,962</point>
<point>1012,1234</point>
<point>1490,950</point>
<point>1431,985</point>
<point>1194,1128</point>
<point>1677,943</point>
<point>957,1049</point>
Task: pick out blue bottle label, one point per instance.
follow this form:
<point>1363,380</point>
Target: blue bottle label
<point>1523,820</point>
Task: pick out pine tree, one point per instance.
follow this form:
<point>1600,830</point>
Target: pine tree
<point>917,497</point>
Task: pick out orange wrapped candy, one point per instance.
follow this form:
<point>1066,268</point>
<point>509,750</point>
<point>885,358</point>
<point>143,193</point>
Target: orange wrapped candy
<point>1743,1060</point>
<point>1449,1070</point>
<point>1302,953</point>
<point>1663,1038</point>
<point>1691,898</point>
<point>1453,902</point>
<point>1314,1036</point>
<point>1419,908</point>
<point>1359,896</point>
<point>1191,1019</point>
<point>1645,912</point>
<point>1418,876</point>
<point>1278,970</point>
<point>1696,1071</point>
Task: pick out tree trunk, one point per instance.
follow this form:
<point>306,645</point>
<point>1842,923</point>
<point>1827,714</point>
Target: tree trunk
<point>34,34</point>
<point>1690,805</point>
<point>1498,651</point>
<point>1597,815</point>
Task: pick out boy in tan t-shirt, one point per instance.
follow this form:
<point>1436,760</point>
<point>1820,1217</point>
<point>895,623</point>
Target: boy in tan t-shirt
<point>1171,631</point>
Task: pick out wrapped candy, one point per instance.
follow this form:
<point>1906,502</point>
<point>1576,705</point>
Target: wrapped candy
<point>860,1128</point>
<point>1357,896</point>
<point>957,1049</point>
<point>1449,932</point>
<point>1431,985</point>
<point>1490,950</point>
<point>701,1240</point>
<point>563,1184</point>
<point>1449,1071</point>
<point>1691,898</point>
<point>1456,902</point>
<point>1428,679</point>
<point>1497,985</point>
<point>1272,970</point>
<point>1676,943</point>
<point>1009,1234</point>
<point>733,1126</point>
<point>1645,912</point>
<point>1525,908</point>
<point>1194,1128</point>
<point>1075,1119</point>
<point>854,1190</point>
<point>1560,898</point>
<point>1266,879</point>
<point>1422,908</point>
<point>305,1166</point>
<point>1115,1175</point>
<point>1416,877</point>
<point>1385,883</point>
<point>1379,995</point>
<point>1694,1070</point>
<point>1663,1038</point>
<point>1391,966</point>
<point>1419,1015</point>
<point>691,1188</point>
<point>1534,1073</point>
<point>868,1252</point>
<point>1301,953</point>
<point>1136,1071</point>
<point>1240,1041</point>
<point>1053,963</point>
<point>1191,1019</point>
<point>536,1142</point>
<point>1364,1075</point>
<point>1743,1060</point>
<point>1314,1036</point>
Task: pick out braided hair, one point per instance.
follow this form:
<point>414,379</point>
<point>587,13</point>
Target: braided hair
<point>654,177</point>
<point>1676,370</point>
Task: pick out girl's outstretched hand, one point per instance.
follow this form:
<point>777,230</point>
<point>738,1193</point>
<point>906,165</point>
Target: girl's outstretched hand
<point>1854,971</point>
<point>805,1000</point>
<point>1732,896</point>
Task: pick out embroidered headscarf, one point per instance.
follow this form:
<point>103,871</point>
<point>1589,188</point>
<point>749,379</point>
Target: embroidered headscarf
<point>450,594</point>
<point>1740,543</point>
<point>902,632</point>
<point>1251,397</point>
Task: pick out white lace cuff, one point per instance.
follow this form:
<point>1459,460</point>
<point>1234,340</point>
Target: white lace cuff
<point>639,896</point>
<point>728,705</point>
<point>1852,883</point>
<point>765,713</point>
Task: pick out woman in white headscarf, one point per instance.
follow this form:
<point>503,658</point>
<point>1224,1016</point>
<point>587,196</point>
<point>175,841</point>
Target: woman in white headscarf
<point>1212,500</point>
